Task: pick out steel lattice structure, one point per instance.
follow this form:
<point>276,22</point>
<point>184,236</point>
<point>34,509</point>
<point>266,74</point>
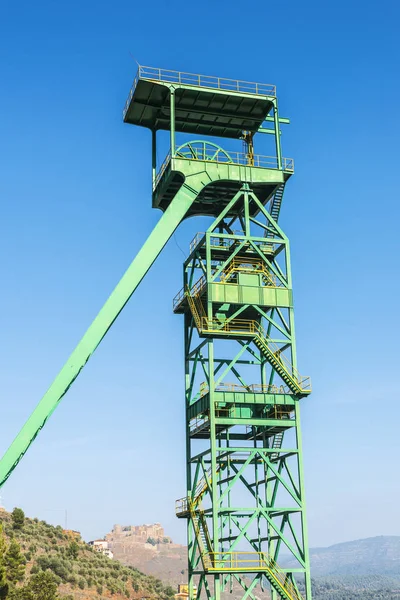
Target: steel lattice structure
<point>244,502</point>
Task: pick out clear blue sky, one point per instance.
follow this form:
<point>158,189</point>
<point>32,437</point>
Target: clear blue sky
<point>75,208</point>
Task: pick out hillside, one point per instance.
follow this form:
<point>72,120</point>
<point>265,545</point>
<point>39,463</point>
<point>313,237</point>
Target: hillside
<point>356,587</point>
<point>363,569</point>
<point>161,557</point>
<point>79,572</point>
<point>370,556</point>
<point>378,557</point>
<point>366,569</point>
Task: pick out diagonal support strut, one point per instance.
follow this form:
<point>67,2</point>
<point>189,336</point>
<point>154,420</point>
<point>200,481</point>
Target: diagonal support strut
<point>146,256</point>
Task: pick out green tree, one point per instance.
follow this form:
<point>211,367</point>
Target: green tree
<point>40,587</point>
<point>169,591</point>
<point>21,594</point>
<point>43,586</point>
<point>73,550</point>
<point>18,518</point>
<point>3,572</point>
<point>14,562</point>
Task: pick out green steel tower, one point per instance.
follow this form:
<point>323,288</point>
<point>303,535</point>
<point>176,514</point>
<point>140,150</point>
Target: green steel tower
<point>244,501</point>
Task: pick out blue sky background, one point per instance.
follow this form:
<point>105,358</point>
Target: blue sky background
<point>75,209</point>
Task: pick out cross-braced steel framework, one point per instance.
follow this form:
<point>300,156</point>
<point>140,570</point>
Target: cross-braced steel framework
<point>245,499</point>
<point>244,502</point>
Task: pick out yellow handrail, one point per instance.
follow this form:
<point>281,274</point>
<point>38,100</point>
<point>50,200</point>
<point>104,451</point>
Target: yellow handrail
<point>249,265</point>
<point>243,327</point>
<point>196,290</point>
<point>249,561</point>
<point>255,329</point>
<point>248,327</point>
<point>232,561</point>
<point>182,505</point>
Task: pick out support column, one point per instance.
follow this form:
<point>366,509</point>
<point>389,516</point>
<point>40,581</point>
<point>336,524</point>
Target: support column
<point>304,531</point>
<point>154,156</point>
<point>277,135</point>
<point>172,131</point>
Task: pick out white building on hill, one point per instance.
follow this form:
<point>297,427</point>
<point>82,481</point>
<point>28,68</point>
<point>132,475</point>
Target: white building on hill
<point>102,547</point>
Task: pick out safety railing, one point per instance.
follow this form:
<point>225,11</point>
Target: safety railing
<point>279,412</point>
<point>255,388</point>
<point>198,423</point>
<point>253,561</point>
<point>207,81</point>
<point>246,328</point>
<point>182,505</point>
<point>178,298</point>
<point>196,290</point>
<point>236,158</point>
<point>196,240</point>
<point>215,241</point>
<point>250,265</point>
<point>239,560</point>
<point>202,81</point>
<point>202,484</point>
<point>241,158</point>
<point>235,266</point>
<point>165,164</point>
<point>254,328</point>
<point>234,561</point>
<point>234,411</point>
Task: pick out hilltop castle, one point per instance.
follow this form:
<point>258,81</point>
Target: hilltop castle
<point>139,534</point>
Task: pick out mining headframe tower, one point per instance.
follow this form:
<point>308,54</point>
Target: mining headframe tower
<point>244,499</point>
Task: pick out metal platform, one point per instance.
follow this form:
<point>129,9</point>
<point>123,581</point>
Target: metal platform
<point>205,105</point>
<point>224,180</point>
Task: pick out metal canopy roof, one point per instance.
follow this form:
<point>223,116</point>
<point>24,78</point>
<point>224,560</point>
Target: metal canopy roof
<point>204,105</point>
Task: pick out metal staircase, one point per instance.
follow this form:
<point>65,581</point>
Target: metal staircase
<point>276,203</point>
<point>196,305</point>
<point>298,384</point>
<point>202,534</point>
<point>277,445</point>
<point>182,506</point>
<point>239,562</point>
<point>230,562</point>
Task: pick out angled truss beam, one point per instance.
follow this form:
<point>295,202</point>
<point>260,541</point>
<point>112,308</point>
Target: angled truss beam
<point>156,241</point>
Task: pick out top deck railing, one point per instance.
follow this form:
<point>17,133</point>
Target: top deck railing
<point>218,241</point>
<point>234,158</point>
<point>202,81</point>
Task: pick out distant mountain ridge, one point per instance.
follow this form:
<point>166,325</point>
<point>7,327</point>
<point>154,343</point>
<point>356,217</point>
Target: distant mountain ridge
<point>376,556</point>
<point>370,556</point>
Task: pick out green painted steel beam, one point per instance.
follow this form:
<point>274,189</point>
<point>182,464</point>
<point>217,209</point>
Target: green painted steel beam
<point>249,445</point>
<point>282,120</point>
<point>156,241</point>
<point>266,130</point>
<point>265,422</point>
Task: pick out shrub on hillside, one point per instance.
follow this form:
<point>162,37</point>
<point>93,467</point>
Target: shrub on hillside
<point>14,562</point>
<point>18,518</point>
<point>40,587</point>
<point>73,550</point>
